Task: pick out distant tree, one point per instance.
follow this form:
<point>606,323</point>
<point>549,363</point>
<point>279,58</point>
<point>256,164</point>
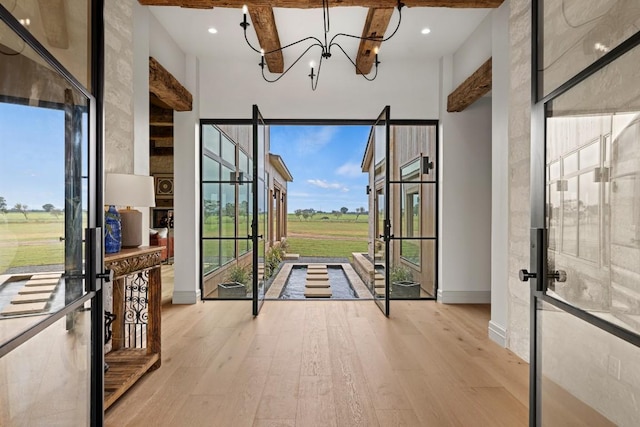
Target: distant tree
<point>298,214</point>
<point>230,210</point>
<point>359,211</point>
<point>305,214</point>
<point>337,214</point>
<point>19,207</point>
<point>210,208</point>
<point>3,205</point>
<point>344,210</point>
<point>51,209</point>
<point>312,212</point>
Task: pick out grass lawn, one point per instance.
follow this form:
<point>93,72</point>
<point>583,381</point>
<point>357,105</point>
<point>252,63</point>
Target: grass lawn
<point>328,238</point>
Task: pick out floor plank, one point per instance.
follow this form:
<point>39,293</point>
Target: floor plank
<point>327,363</point>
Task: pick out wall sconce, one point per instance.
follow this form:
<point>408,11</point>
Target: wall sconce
<point>368,189</point>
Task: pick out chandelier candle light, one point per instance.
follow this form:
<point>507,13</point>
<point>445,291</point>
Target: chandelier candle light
<point>324,46</point>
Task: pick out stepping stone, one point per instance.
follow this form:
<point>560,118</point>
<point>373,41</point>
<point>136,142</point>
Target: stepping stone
<point>27,298</point>
<point>318,292</point>
<point>37,289</point>
<point>379,283</point>
<point>42,282</point>
<point>316,266</point>
<point>47,276</point>
<point>291,256</point>
<point>15,309</point>
<point>317,284</point>
<point>378,276</point>
<point>317,271</point>
<point>379,292</point>
<point>317,277</point>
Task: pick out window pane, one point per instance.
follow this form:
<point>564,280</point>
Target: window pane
<point>228,252</point>
<point>64,31</point>
<point>570,164</point>
<point>228,150</point>
<point>554,170</point>
<point>211,212</point>
<point>570,217</point>
<point>227,174</point>
<point>228,205</point>
<point>211,139</point>
<point>210,255</point>
<point>210,169</point>
<point>590,155</point>
<point>576,33</point>
<point>589,214</point>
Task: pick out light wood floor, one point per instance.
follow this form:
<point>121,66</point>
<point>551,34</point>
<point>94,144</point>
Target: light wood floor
<point>327,363</point>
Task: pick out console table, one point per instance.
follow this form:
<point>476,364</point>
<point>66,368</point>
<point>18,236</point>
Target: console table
<point>137,290</point>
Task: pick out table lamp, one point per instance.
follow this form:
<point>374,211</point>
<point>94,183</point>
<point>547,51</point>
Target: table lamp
<point>126,190</point>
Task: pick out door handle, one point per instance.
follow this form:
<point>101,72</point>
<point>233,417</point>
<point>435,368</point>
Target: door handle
<point>559,276</point>
<point>524,275</point>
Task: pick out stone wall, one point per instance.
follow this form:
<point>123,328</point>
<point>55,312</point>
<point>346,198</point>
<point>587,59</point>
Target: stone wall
<point>519,156</point>
<point>118,86</point>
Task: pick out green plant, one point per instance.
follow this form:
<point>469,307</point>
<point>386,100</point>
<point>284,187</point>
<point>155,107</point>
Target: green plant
<point>239,274</point>
<point>400,273</point>
<point>272,259</point>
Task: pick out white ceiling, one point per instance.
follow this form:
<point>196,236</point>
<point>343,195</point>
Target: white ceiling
<point>449,29</point>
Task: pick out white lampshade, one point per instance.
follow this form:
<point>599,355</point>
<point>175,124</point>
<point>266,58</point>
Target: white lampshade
<point>129,190</point>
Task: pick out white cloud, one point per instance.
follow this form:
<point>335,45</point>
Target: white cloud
<point>349,169</point>
<point>311,141</point>
<point>328,185</point>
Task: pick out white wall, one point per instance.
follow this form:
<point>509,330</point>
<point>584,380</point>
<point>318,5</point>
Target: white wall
<point>473,52</point>
<point>164,49</point>
<point>500,175</point>
<point>229,89</point>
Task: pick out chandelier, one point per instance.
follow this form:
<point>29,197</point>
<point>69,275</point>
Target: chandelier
<point>325,47</point>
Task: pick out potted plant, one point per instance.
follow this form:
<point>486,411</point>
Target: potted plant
<point>236,284</point>
<point>402,283</point>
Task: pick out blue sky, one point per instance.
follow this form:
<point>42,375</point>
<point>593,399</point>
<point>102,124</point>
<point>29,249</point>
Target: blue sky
<point>32,169</point>
<point>325,164</point>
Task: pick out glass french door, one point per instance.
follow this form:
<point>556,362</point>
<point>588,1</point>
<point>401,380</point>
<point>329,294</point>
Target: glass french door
<point>259,232</point>
<point>585,217</point>
<point>51,313</point>
<point>382,236</point>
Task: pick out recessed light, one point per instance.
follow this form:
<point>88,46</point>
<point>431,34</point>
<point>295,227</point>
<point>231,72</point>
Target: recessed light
<point>212,30</point>
<point>426,30</point>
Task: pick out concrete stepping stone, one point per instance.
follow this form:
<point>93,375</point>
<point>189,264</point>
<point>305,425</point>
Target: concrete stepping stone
<point>37,289</point>
<point>318,292</point>
<point>15,309</point>
<point>317,284</point>
<point>42,282</point>
<point>317,271</point>
<point>47,276</point>
<point>291,256</point>
<point>379,292</point>
<point>28,298</point>
<point>379,283</point>
<point>317,277</point>
<point>316,266</point>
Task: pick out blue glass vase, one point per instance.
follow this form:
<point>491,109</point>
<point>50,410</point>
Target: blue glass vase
<point>112,231</point>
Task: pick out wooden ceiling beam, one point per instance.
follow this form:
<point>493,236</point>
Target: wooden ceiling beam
<point>264,23</point>
<point>472,89</point>
<point>167,88</point>
<point>54,21</point>
<point>374,27</point>
<point>315,4</point>
<point>159,116</point>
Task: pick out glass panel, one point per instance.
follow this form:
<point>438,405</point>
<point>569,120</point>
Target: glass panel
<point>227,251</point>
<point>243,164</point>
<point>554,170</point>
<point>228,208</point>
<point>588,376</point>
<point>210,169</point>
<point>409,145</point>
<point>589,218</point>
<point>210,255</point>
<point>411,172</point>
<point>62,27</point>
<point>570,217</point>
<point>212,215</point>
<point>407,280</point>
<point>600,225</point>
<point>227,174</point>
<point>228,152</point>
<point>46,380</point>
<point>576,33</point>
<point>244,218</point>
<point>44,140</point>
<point>553,215</point>
<point>570,164</point>
<point>590,155</point>
<point>211,139</point>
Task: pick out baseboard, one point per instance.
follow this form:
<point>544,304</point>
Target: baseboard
<point>464,297</point>
<point>497,334</point>
<point>186,297</point>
